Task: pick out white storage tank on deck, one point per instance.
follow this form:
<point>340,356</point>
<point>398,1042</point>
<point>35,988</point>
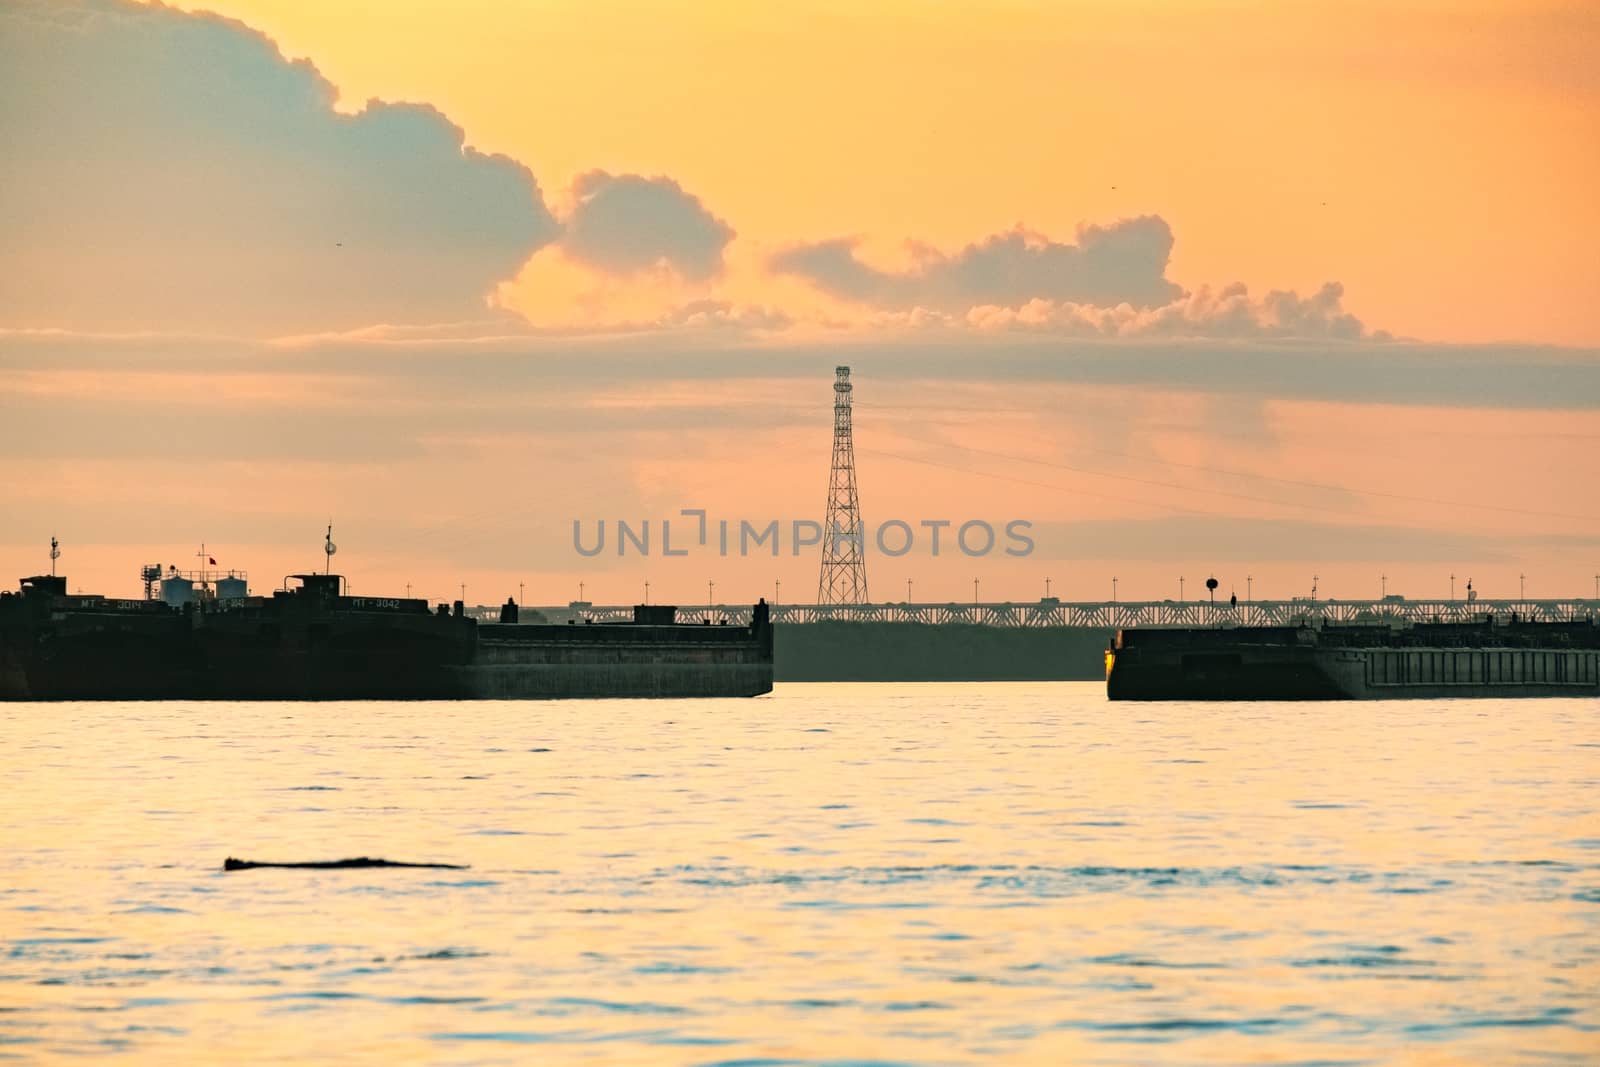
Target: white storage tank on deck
<point>176,592</point>
<point>231,588</point>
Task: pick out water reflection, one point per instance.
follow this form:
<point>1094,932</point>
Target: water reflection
<point>836,874</point>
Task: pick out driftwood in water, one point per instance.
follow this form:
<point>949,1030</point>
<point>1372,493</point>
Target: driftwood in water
<point>231,864</point>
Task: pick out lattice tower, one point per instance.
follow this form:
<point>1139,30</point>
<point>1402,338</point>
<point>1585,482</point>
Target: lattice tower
<point>844,568</point>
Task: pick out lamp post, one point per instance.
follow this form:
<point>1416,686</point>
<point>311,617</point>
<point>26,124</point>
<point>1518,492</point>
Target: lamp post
<point>1047,588</point>
<point>1249,580</point>
<point>1452,586</point>
<point>1522,587</point>
<point>1113,588</point>
<point>647,591</point>
<point>1180,589</point>
<point>777,584</point>
<point>1383,585</point>
<point>974,592</point>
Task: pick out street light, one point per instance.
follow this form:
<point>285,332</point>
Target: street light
<point>974,592</point>
<point>1180,589</point>
<point>1113,588</point>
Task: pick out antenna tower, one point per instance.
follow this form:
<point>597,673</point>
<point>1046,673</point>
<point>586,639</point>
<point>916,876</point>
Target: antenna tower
<point>844,570</point>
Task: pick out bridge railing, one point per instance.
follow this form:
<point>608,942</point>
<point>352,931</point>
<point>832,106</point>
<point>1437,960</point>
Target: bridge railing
<point>1120,614</point>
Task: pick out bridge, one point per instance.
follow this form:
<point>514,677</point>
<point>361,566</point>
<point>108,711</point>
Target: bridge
<point>1109,615</point>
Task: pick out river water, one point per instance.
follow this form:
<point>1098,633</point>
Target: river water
<point>840,874</point>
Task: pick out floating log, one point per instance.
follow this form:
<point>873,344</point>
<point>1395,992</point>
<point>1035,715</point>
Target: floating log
<point>231,864</point>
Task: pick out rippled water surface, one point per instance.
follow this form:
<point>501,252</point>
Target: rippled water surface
<point>922,874</point>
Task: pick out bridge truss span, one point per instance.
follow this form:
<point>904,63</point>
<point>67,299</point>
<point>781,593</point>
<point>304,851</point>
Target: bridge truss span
<point>1125,614</point>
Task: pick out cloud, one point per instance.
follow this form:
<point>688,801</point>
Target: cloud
<point>1111,283</point>
<point>1229,313</point>
<point>721,314</point>
<point>628,224</point>
<point>1123,263</point>
<point>175,171</point>
<point>1475,377</point>
<point>172,172</point>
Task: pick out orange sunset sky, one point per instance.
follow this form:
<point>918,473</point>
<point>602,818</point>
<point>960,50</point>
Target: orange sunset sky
<point>1193,287</point>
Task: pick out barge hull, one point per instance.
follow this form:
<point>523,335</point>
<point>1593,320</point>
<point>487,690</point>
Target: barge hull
<point>1490,660</point>
<point>312,643</point>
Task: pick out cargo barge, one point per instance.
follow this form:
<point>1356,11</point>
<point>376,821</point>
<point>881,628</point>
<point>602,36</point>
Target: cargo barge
<point>310,640</point>
<point>1492,657</point>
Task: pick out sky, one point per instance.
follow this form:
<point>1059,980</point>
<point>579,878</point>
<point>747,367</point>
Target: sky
<point>1300,295</point>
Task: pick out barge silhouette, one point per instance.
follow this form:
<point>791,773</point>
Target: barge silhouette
<point>1493,657</point>
<point>311,641</point>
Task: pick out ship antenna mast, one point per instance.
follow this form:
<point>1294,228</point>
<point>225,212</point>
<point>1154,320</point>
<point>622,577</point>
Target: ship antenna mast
<point>329,548</point>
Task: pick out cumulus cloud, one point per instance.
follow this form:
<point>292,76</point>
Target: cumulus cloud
<point>629,224</point>
<point>1230,312</point>
<point>174,171</point>
<point>1111,283</point>
<point>1123,263</point>
<point>720,314</point>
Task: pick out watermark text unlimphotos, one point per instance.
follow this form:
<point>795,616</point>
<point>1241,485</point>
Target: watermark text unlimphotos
<point>697,534</point>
